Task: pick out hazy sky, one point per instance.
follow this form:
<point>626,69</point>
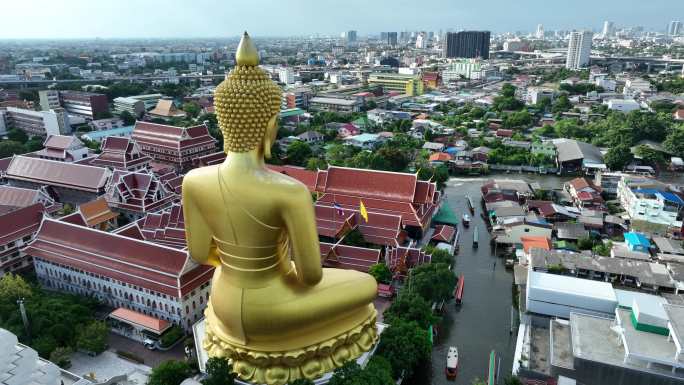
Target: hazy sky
<point>202,18</point>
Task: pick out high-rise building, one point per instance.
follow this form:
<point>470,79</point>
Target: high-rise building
<point>391,39</point>
<point>351,36</point>
<point>579,50</point>
<point>466,44</point>
<point>421,41</point>
<point>608,29</point>
<point>540,31</point>
<point>49,99</point>
<point>675,28</point>
<point>87,104</point>
<point>40,123</point>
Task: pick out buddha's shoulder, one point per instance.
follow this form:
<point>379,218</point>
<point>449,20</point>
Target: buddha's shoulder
<point>200,176</point>
<point>285,181</point>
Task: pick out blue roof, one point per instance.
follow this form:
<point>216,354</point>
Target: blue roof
<point>94,135</point>
<point>665,195</point>
<point>637,239</point>
<point>451,150</point>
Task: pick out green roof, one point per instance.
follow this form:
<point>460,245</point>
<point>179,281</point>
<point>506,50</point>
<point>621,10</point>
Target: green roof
<point>446,215</point>
<point>291,112</point>
<point>361,122</point>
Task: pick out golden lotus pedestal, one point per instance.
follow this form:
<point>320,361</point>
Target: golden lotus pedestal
<point>199,330</point>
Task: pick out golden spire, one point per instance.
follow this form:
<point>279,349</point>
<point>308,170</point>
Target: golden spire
<point>246,54</point>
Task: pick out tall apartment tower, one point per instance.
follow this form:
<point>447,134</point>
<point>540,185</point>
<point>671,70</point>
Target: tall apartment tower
<point>608,29</point>
<point>540,31</point>
<point>351,36</point>
<point>466,44</point>
<point>579,50</point>
<point>675,28</point>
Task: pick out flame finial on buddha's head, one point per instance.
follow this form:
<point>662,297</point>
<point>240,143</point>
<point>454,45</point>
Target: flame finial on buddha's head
<point>246,101</point>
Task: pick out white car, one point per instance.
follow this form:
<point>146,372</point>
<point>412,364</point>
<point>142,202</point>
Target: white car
<point>150,343</point>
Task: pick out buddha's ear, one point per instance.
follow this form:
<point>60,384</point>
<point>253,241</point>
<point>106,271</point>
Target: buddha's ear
<point>271,134</point>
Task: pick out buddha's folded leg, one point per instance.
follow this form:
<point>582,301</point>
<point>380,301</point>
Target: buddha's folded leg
<point>339,294</point>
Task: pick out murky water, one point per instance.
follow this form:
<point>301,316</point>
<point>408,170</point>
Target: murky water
<point>483,321</point>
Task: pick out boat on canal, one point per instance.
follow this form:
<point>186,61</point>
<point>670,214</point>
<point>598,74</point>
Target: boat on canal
<point>466,220</point>
<point>458,292</point>
<point>476,238</point>
<point>452,363</point>
<point>493,368</point>
<point>471,207</point>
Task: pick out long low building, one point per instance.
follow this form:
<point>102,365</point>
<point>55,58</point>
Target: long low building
<point>74,183</point>
<point>145,277</point>
<point>321,103</point>
<point>558,296</point>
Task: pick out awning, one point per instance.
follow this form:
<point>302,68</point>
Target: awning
<point>446,215</point>
<point>140,321</point>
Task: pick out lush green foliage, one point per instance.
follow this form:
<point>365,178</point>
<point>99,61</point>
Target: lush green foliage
<point>381,273</point>
<point>219,372</point>
<point>169,373</point>
<point>298,153</point>
<point>93,337</point>
<point>172,335</point>
<point>410,307</point>
<point>377,372</point>
<point>405,345</point>
<point>54,319</point>
<point>618,157</point>
<point>432,281</point>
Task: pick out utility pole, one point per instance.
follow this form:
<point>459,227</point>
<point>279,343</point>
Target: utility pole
<point>24,318</point>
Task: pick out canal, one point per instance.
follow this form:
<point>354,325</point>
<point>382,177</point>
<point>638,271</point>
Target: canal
<point>483,321</point>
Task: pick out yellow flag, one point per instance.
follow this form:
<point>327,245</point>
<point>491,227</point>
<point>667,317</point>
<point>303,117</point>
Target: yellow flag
<point>363,211</point>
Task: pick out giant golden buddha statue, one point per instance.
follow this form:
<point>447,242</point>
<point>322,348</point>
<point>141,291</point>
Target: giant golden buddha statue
<point>273,310</point>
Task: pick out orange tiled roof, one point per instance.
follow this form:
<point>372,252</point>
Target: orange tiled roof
<point>155,325</point>
<point>535,241</point>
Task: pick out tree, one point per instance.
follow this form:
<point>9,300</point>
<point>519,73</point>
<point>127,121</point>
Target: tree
<point>518,119</point>
<point>44,345</point>
<point>381,273</point>
<point>674,142</point>
<point>618,157</point>
<point>219,372</point>
<point>433,281</point>
<point>377,372</point>
<point>13,287</point>
<point>561,104</point>
<point>34,144</point>
<point>93,337</point>
<point>649,155</point>
<point>585,243</point>
<point>314,164</point>
<point>508,90</point>
<point>11,147</point>
<point>298,153</point>
<point>192,109</point>
<point>17,135</point>
<point>404,345</point>
<point>512,380</point>
<point>127,117</point>
<point>61,357</point>
<point>441,256</point>
<point>301,381</point>
<point>410,307</point>
<point>169,373</point>
<point>603,248</point>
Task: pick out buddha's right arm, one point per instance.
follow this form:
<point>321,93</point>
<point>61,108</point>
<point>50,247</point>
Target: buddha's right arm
<point>197,232</point>
<point>300,221</point>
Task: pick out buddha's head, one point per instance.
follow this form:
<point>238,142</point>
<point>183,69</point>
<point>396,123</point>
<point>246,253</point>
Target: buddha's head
<point>247,104</point>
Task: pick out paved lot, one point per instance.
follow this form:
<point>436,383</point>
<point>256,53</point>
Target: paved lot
<point>381,304</point>
<point>151,358</point>
<point>107,365</point>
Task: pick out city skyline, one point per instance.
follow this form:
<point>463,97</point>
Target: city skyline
<point>80,19</point>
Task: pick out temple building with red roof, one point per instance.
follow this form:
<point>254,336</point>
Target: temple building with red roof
<point>96,215</point>
<point>176,146</point>
<point>348,257</point>
<point>121,153</point>
<point>165,227</point>
<point>72,183</point>
<point>17,228</point>
<point>63,148</point>
<point>134,194</point>
<point>14,198</point>
<point>152,279</point>
<point>402,259</point>
<point>382,192</point>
